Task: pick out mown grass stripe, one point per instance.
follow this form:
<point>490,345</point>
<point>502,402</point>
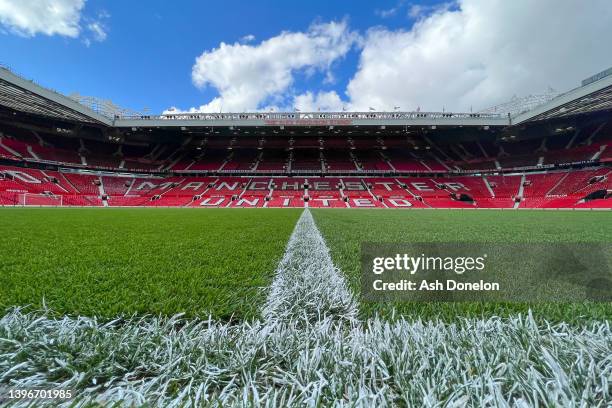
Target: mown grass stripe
<point>96,262</point>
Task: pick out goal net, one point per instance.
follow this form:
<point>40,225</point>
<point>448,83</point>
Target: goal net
<point>40,200</point>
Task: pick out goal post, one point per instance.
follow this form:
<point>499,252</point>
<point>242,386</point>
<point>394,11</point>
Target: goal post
<point>43,200</point>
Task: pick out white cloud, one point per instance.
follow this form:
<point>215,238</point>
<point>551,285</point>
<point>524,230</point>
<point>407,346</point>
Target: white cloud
<point>248,76</point>
<point>98,31</point>
<point>324,101</point>
<point>481,52</point>
<point>386,13</point>
<point>53,17</point>
<point>470,53</point>
<point>48,17</point>
<point>415,10</point>
<point>248,38</point>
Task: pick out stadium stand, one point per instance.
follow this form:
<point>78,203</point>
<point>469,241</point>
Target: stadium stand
<point>562,189</point>
<point>56,153</point>
<point>322,169</point>
<point>339,160</point>
<point>371,160</point>
<point>18,148</point>
<point>273,160</point>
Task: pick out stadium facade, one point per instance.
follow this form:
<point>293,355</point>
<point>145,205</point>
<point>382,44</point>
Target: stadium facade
<point>55,151</point>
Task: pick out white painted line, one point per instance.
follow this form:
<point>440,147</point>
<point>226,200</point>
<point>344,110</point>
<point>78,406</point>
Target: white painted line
<point>307,283</point>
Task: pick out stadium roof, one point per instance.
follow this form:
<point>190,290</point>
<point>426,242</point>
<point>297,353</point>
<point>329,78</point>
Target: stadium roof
<point>315,119</point>
<point>592,97</point>
<point>20,95</point>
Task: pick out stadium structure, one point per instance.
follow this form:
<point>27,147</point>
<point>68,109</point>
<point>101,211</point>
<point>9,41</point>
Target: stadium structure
<point>164,307</point>
<point>55,151</point>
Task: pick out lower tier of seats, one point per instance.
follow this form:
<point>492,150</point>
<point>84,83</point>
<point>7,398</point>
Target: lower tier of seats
<point>589,188</point>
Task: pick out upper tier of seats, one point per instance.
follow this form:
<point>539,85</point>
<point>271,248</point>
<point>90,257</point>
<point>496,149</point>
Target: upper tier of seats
<point>321,154</point>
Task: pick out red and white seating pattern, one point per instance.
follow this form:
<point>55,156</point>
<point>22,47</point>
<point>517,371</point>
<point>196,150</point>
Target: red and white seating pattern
<point>567,189</point>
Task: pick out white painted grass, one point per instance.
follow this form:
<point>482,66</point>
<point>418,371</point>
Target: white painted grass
<point>309,350</point>
<point>307,284</point>
<point>174,362</point>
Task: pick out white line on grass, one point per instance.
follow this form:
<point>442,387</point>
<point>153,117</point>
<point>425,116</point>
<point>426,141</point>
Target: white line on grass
<point>309,349</point>
<point>307,284</point>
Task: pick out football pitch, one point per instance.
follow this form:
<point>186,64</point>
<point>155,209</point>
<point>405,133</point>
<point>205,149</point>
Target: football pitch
<point>220,262</point>
<point>109,262</point>
<point>261,307</point>
<point>346,230</point>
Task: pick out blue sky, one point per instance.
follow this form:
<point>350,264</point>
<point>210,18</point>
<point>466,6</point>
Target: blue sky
<point>151,46</point>
<point>146,52</point>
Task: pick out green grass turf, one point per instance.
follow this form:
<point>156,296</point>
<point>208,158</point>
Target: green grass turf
<point>107,262</point>
<point>345,230</point>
